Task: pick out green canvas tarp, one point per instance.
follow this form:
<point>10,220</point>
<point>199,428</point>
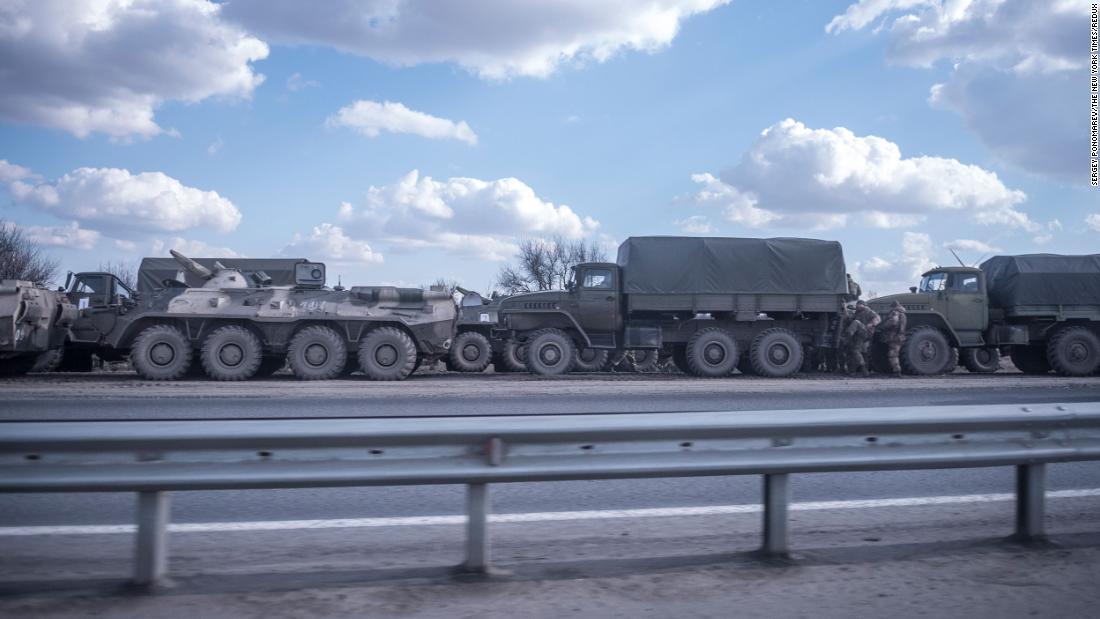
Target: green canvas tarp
<point>722,265</point>
<point>153,271</point>
<point>1043,279</point>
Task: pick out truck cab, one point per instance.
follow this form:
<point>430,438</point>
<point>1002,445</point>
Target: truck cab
<point>100,298</point>
<point>951,299</point>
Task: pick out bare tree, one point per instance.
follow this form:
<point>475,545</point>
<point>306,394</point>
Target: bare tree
<point>22,258</point>
<point>447,285</point>
<point>545,264</point>
<point>124,270</point>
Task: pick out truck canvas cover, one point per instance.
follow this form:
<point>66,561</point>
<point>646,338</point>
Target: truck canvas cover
<point>717,265</point>
<point>153,271</point>
<point>1043,279</point>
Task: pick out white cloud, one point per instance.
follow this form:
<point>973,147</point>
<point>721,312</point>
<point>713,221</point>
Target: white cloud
<point>797,177</point>
<point>87,66</point>
<point>1011,59</point>
<point>10,172</point>
<point>495,39</point>
<point>1093,221</point>
<point>296,82</point>
<point>71,236</point>
<point>371,118</point>
<point>329,242</point>
<point>192,248</point>
<point>1042,239</point>
<point>971,245</point>
<point>125,245</point>
<point>696,224</point>
<point>117,200</point>
<point>215,146</point>
<point>896,272</point>
<point>461,215</point>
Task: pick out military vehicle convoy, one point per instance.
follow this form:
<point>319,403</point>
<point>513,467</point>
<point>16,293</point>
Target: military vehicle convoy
<point>1043,309</point>
<point>237,324</point>
<point>706,302</point>
<point>33,325</point>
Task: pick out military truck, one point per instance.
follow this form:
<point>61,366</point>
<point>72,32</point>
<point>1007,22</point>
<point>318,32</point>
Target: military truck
<point>237,324</point>
<point>1042,309</point>
<point>706,302</point>
<point>34,323</point>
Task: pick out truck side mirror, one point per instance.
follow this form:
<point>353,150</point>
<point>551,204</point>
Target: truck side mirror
<point>913,289</point>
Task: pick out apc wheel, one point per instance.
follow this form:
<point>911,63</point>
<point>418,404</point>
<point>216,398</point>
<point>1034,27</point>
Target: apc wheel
<point>317,353</point>
<point>1074,351</point>
<point>776,353</point>
<point>387,353</point>
<point>231,353</point>
<point>711,352</point>
<point>982,360</point>
<point>48,361</point>
<point>590,360</point>
<point>927,352</point>
<point>161,352</point>
<point>1030,359</point>
<point>513,358</point>
<point>550,352</point>
<point>470,352</point>
<point>269,366</point>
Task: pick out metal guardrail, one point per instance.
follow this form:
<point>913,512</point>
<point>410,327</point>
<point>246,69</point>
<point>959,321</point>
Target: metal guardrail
<point>153,458</point>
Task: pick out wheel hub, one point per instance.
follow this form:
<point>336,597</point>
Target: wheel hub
<point>550,354</point>
<point>231,355</point>
<point>714,353</point>
<point>162,353</point>
<point>316,355</point>
<point>1078,351</point>
<point>386,355</point>
<point>470,352</point>
<point>779,354</point>
<point>927,351</point>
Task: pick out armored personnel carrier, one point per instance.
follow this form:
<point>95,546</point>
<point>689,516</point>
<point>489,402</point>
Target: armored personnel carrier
<point>237,325</point>
<point>33,325</point>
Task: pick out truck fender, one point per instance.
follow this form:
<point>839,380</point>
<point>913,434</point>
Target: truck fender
<point>567,318</point>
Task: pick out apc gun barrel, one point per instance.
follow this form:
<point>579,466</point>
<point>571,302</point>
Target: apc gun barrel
<point>194,267</point>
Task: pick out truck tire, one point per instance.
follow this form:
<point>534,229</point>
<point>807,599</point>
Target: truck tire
<point>269,366</point>
<point>645,360</point>
<point>927,352</point>
<point>387,353</point>
<point>550,352</point>
<point>161,352</point>
<point>231,353</point>
<point>317,352</point>
<point>985,360</point>
<point>1030,359</point>
<point>712,352</point>
<point>590,360</point>
<point>48,361</point>
<point>470,352</point>
<point>679,358</point>
<point>1074,351</point>
<point>776,353</point>
<point>512,358</point>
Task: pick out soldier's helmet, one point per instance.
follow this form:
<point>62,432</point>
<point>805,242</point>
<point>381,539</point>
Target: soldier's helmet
<point>897,305</point>
<point>861,303</point>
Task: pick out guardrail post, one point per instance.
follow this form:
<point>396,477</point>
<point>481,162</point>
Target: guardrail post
<point>777,498</point>
<point>1031,485</point>
<point>477,528</point>
<point>152,527</point>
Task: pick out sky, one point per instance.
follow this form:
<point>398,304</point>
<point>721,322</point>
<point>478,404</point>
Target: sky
<point>402,141</point>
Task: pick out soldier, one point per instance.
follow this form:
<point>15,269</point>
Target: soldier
<point>853,287</point>
<point>858,333</point>
<point>892,332</point>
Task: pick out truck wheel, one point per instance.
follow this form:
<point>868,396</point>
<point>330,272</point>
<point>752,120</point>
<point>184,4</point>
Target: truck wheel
<point>48,361</point>
<point>590,360</point>
<point>161,352</point>
<point>269,366</point>
<point>645,361</point>
<point>679,358</point>
<point>550,352</point>
<point>1030,359</point>
<point>317,353</point>
<point>927,352</point>
<point>982,360</point>
<point>231,353</point>
<point>513,358</point>
<point>712,352</point>
<point>1074,351</point>
<point>470,352</point>
<point>776,353</point>
<point>387,353</point>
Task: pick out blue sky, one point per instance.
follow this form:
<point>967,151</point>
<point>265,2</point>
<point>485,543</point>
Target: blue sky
<point>839,120</point>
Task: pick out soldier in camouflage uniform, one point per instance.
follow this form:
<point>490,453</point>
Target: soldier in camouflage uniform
<point>857,337</point>
<point>892,332</point>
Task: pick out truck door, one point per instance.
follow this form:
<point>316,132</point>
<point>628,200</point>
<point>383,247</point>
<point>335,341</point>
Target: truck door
<point>98,298</point>
<point>598,301</point>
<point>967,305</point>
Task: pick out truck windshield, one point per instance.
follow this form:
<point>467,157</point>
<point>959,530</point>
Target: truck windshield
<point>933,282</point>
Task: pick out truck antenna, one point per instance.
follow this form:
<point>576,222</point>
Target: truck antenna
<point>961,263</point>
